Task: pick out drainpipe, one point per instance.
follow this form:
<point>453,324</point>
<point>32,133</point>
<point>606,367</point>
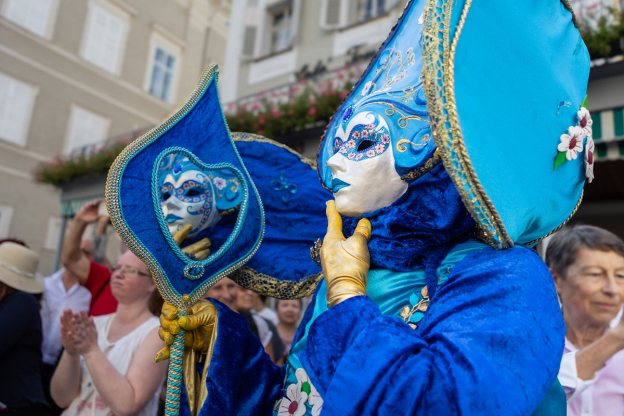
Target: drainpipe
<point>59,246</point>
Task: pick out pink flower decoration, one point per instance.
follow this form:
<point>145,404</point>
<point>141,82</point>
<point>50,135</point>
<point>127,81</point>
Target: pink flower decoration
<point>343,150</point>
<point>359,156</point>
<point>370,126</point>
<point>351,144</point>
<point>572,143</point>
<point>356,135</point>
<point>380,148</point>
<point>370,153</point>
<point>589,159</point>
<point>385,139</point>
<point>351,155</point>
<point>364,133</point>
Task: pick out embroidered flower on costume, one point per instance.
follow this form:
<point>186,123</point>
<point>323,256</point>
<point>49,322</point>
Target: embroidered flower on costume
<point>294,402</point>
<point>572,143</point>
<point>305,385</point>
<point>219,183</point>
<point>351,144</point>
<point>589,159</point>
<point>380,148</point>
<point>367,88</point>
<point>370,153</point>
<point>351,155</point>
<point>585,121</point>
<point>385,139</point>
<point>359,156</point>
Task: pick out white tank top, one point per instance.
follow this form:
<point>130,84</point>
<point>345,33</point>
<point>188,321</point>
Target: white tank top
<point>119,353</point>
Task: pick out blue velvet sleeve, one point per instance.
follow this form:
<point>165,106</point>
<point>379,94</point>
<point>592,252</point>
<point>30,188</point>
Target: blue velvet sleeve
<point>242,379</point>
<point>490,343</point>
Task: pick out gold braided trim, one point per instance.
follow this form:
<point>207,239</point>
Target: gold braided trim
<point>275,288</point>
<point>578,204</point>
<point>250,137</point>
<point>438,72</point>
<point>429,164</point>
<point>566,4</point>
<point>115,211</point>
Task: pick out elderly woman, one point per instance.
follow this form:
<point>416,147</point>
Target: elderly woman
<point>587,264</point>
<point>107,367</point>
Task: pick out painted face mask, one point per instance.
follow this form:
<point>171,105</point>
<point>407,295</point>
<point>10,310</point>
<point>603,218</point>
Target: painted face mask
<point>380,136</point>
<point>192,196</point>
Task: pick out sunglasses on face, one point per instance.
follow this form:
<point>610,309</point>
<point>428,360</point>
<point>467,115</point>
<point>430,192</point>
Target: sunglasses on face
<point>129,271</point>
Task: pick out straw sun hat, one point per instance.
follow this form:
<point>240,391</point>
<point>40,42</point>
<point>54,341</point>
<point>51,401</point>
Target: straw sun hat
<point>18,266</point>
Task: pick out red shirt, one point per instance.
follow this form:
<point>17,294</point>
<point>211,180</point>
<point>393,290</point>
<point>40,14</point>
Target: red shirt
<point>102,300</point>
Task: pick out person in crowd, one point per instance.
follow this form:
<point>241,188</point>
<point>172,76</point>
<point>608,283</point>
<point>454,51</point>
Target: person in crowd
<point>289,313</point>
<point>96,278</point>
<point>225,291</point>
<point>261,309</point>
<point>587,264</point>
<point>21,391</point>
<point>116,374</point>
<point>259,326</point>
<point>62,291</point>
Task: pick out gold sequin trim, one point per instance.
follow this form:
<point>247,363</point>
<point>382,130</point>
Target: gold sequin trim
<point>270,286</point>
<point>430,164</point>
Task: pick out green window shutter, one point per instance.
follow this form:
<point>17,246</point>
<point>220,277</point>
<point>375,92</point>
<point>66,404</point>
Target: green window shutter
<point>601,150</point>
<point>596,126</point>
<point>618,122</point>
<point>621,146</point>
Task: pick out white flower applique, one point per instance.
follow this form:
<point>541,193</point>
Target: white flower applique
<point>572,143</point>
<point>294,402</point>
<point>585,121</point>
<point>314,398</point>
<point>589,159</point>
<point>219,183</point>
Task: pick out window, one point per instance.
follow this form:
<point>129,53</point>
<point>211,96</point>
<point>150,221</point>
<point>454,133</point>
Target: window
<point>33,15</point>
<point>162,74</point>
<point>6,212</point>
<point>85,128</point>
<point>249,41</point>
<point>16,102</point>
<point>105,33</point>
<point>280,31</point>
<point>368,9</point>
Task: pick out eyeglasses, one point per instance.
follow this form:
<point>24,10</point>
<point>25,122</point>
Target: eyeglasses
<point>129,271</point>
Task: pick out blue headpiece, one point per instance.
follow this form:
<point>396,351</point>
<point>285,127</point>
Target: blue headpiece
<point>493,90</point>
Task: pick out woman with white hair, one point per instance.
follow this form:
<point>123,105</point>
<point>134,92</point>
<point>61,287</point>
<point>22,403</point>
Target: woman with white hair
<point>21,392</point>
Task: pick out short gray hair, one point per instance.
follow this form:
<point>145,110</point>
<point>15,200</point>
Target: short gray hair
<point>564,244</point>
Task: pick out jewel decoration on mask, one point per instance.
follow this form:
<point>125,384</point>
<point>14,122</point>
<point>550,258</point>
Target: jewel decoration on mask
<point>572,141</point>
<point>282,185</point>
<point>365,142</point>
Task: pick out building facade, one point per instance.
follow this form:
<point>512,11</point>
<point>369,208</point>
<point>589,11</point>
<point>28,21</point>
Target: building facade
<point>76,72</point>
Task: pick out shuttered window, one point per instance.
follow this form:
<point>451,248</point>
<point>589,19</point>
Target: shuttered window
<point>332,12</point>
<point>33,15</point>
<point>104,37</point>
<point>249,41</point>
<point>163,70</point>
<point>16,99</point>
<point>608,134</point>
<point>85,128</point>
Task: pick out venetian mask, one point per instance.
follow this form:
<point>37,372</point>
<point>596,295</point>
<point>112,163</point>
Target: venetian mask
<point>380,135</point>
<point>190,195</point>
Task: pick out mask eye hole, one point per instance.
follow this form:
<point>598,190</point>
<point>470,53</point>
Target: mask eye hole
<point>365,144</point>
<point>166,196</point>
<point>192,192</point>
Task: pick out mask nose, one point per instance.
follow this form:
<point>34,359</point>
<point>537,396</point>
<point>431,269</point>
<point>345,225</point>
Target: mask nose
<point>173,204</point>
<point>337,164</point>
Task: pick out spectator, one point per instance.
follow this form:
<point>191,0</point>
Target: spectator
<point>225,291</point>
<point>289,313</point>
<point>261,309</point>
<point>116,374</point>
<point>94,277</point>
<point>62,291</point>
<point>587,264</point>
<point>258,325</point>
<point>21,392</point>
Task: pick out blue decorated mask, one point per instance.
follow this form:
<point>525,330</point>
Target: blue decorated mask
<point>189,195</point>
<point>380,135</point>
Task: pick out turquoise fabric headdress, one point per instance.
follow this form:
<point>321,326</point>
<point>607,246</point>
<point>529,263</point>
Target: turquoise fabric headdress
<point>498,87</point>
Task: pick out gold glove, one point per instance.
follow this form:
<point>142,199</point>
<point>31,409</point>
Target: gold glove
<point>199,324</point>
<point>345,261</point>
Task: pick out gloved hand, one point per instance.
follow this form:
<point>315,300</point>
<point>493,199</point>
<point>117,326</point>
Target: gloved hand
<point>345,262</point>
<point>199,324</point>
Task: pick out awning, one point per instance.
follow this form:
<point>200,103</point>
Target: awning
<point>608,134</point>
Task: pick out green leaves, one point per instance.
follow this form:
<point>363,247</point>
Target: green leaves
<point>561,157</point>
<point>584,105</point>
